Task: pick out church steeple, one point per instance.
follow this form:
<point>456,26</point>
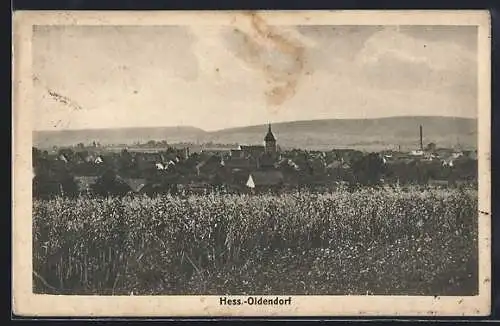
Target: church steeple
<point>269,137</point>
<point>270,142</point>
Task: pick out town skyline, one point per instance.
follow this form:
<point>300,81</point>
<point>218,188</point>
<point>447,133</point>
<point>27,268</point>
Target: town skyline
<point>210,78</point>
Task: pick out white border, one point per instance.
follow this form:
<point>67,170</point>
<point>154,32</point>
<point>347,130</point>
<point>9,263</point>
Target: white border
<point>27,303</point>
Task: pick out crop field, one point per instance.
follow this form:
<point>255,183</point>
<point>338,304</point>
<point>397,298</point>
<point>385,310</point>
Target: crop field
<point>401,241</point>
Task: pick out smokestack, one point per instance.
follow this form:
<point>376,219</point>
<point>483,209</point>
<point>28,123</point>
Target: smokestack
<point>421,143</point>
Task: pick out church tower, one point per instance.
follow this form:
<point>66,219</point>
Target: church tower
<point>270,142</point>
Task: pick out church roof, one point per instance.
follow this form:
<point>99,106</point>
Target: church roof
<point>269,136</point>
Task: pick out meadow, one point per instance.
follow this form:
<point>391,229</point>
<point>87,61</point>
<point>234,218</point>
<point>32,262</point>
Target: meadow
<point>371,241</point>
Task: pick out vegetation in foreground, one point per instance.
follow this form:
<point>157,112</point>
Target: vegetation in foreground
<point>400,241</point>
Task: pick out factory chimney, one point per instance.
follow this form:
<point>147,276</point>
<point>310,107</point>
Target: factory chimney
<point>421,143</point>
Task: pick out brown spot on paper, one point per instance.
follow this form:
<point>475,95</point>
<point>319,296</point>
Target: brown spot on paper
<point>280,59</point>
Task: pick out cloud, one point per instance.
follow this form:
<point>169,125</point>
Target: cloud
<point>442,54</point>
<point>390,59</point>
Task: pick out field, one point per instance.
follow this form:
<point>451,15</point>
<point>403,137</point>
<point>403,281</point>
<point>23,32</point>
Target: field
<point>403,242</point>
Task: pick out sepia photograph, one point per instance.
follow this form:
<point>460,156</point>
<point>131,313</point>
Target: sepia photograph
<point>251,163</point>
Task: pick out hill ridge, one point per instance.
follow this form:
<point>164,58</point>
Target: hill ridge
<point>308,134</point>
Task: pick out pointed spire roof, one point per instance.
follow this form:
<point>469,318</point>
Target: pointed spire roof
<point>269,136</point>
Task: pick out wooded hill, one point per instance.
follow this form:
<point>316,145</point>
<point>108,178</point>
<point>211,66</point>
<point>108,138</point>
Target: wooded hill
<point>360,134</point>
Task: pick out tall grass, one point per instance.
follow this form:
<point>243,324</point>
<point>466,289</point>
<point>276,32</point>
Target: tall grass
<point>369,241</point>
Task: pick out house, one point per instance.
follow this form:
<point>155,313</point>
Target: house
<point>90,158</point>
<point>284,163</point>
<point>99,160</point>
<point>237,153</point>
<point>148,160</point>
<point>63,157</point>
<point>448,162</point>
<point>417,153</point>
<point>239,178</point>
<point>428,156</point>
<point>253,150</point>
<point>165,166</point>
<point>265,179</point>
<point>386,159</point>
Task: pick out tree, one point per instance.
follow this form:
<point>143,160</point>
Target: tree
<point>68,184</point>
<point>44,187</point>
<point>368,169</point>
<point>35,154</point>
<point>108,184</point>
<point>126,162</point>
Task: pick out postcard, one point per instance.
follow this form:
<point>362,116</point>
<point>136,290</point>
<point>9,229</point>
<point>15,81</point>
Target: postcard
<point>260,163</point>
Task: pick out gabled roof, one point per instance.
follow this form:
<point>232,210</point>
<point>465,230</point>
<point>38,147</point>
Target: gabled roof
<point>264,178</point>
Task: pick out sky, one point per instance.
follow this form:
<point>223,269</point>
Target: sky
<point>215,77</point>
